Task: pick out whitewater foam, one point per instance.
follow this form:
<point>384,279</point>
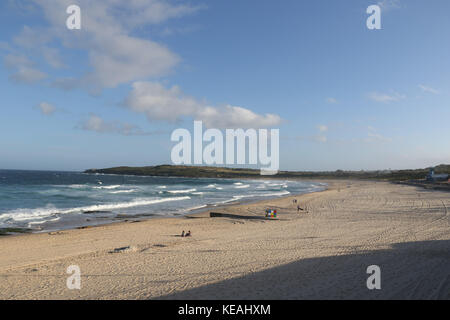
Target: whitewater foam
<point>39,213</point>
<point>182,191</point>
<point>123,191</point>
<point>75,199</point>
<point>108,187</point>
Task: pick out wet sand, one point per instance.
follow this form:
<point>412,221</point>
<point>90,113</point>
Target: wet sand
<point>320,253</point>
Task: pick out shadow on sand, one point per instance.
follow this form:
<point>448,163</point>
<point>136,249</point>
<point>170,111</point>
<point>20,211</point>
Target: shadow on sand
<point>237,216</point>
<point>410,270</point>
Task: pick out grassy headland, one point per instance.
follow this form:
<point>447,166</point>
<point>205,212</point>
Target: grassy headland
<point>221,172</point>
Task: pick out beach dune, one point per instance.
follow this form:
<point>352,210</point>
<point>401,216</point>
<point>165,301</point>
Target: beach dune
<point>320,253</point>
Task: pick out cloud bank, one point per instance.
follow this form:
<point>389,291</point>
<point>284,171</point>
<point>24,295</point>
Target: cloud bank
<point>118,51</point>
<point>108,35</point>
<point>172,105</point>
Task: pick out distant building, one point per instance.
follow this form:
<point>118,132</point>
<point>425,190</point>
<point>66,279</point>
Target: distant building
<point>436,177</point>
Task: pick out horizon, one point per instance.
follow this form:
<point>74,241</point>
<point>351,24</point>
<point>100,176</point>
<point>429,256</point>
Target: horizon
<point>343,97</point>
<point>228,167</point>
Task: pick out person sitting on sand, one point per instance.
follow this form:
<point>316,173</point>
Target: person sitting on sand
<point>298,208</point>
<point>188,234</point>
<point>182,234</point>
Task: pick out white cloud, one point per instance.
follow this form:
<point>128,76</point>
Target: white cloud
<point>16,60</point>
<point>116,54</point>
<point>22,6</point>
<point>159,103</point>
<point>46,108</point>
<point>35,41</point>
<point>386,98</point>
<point>388,5</point>
<point>23,69</point>
<point>32,38</point>
<point>53,57</point>
<point>27,75</point>
<point>428,89</point>
<point>236,117</point>
<point>97,124</point>
<point>112,38</point>
<point>321,137</point>
<point>331,100</point>
<point>123,59</point>
<point>170,104</point>
<point>154,11</point>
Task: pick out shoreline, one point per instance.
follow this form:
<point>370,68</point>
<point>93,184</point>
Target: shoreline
<point>321,253</point>
<point>157,215</point>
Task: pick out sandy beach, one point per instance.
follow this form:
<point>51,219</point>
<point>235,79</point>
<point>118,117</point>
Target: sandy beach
<point>320,253</point>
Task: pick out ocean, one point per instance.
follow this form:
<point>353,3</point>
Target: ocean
<point>50,200</point>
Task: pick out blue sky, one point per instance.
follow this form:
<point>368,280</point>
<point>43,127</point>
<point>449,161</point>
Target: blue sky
<point>343,96</point>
